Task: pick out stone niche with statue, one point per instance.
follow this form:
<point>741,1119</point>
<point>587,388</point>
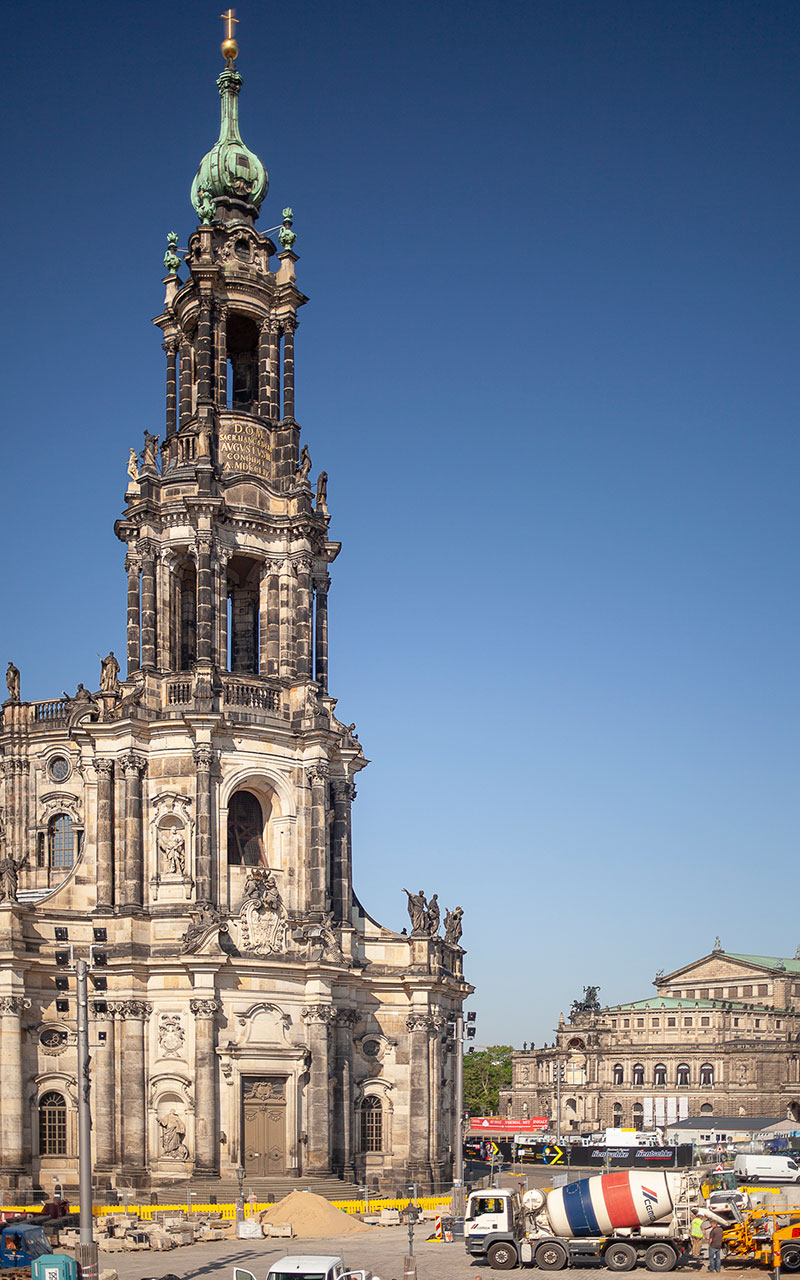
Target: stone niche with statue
<point>172,829</point>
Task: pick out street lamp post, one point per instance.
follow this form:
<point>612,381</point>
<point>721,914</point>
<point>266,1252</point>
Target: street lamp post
<point>458,1135</point>
<point>87,1249</point>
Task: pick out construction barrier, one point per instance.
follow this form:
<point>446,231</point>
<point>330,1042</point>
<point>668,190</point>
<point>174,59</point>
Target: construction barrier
<point>228,1210</point>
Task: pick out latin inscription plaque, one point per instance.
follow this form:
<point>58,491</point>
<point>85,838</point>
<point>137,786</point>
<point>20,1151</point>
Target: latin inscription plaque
<point>244,446</point>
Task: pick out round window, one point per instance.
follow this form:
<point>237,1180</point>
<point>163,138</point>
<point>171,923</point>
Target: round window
<point>371,1048</point>
<point>59,768</point>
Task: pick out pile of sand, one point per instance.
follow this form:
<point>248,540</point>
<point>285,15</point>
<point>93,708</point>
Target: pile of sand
<point>313,1216</point>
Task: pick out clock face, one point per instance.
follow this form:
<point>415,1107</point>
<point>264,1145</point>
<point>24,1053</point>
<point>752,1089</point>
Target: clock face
<point>59,768</point>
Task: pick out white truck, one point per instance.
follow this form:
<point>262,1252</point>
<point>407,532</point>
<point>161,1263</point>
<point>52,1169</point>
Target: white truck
<point>620,1218</point>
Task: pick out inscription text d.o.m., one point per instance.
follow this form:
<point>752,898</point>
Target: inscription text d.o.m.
<point>244,446</point>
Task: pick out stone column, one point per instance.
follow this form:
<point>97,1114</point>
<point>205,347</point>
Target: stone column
<point>317,863</point>
<point>133,1155</point>
<point>289,326</point>
<point>148,608</point>
<point>318,1018</point>
<point>204,760</point>
<point>206,1155</point>
<point>286,619</point>
<point>105,832</point>
<point>264,385</point>
<point>274,371</point>
<point>303,618</point>
<point>222,609</point>
<point>343,1109</point>
<point>170,349</point>
<point>203,348</point>
<point>205,590</point>
<point>104,1102</point>
<point>271,636</point>
<point>419,1026</point>
<point>12,1106</point>
<point>344,793</point>
<point>164,611</point>
<point>132,566</point>
<point>321,634</point>
<point>185,384</point>
<point>221,316</point>
<point>133,766</point>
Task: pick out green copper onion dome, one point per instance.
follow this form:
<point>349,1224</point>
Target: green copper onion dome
<point>229,170</point>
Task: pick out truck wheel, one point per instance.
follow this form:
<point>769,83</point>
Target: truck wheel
<point>660,1257</point>
<point>620,1257</point>
<point>501,1256</point>
<point>551,1256</point>
<point>790,1259</point>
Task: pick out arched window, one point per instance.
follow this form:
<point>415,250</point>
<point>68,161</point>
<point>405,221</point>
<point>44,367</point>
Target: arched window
<point>245,830</point>
<point>62,842</point>
<point>706,1109</point>
<point>660,1075</point>
<point>638,1075</point>
<point>619,1074</point>
<point>371,1112</point>
<point>638,1115</point>
<point>616,1115</point>
<point>707,1073</point>
<point>682,1077</point>
<point>52,1125</point>
<point>525,1111</point>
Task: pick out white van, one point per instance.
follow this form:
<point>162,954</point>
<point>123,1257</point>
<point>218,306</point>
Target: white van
<point>766,1169</point>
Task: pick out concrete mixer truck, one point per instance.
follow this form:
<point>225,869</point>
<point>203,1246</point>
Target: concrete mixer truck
<point>618,1218</point>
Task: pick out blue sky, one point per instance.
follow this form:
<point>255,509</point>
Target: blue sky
<point>550,365</point>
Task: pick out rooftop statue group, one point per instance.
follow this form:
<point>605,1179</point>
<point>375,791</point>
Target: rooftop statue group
<point>426,917</point>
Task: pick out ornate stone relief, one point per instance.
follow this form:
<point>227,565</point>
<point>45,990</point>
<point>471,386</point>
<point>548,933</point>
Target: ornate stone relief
<point>263,919</point>
<point>319,1013</point>
<point>130,1009</point>
<point>171,1035</point>
<point>269,1089</point>
<point>14,1004</point>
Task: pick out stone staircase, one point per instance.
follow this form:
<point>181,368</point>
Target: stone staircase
<point>226,1189</point>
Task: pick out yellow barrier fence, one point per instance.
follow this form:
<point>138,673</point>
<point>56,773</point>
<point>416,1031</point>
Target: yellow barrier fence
<point>228,1210</point>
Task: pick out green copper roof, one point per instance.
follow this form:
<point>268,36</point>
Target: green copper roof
<point>229,168</point>
<point>768,962</point>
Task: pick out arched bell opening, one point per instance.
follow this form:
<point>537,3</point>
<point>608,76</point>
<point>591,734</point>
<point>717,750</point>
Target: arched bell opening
<point>242,346</point>
<point>184,620</point>
<point>243,618</point>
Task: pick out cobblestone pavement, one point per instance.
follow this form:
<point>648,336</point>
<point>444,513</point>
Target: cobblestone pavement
<point>381,1251</point>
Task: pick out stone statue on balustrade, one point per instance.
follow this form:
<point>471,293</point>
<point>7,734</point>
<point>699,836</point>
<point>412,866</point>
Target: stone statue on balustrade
<point>417,908</point>
<point>305,465</point>
<point>432,916</point>
<point>452,926</point>
<point>150,451</point>
<point>109,674</point>
<point>12,682</point>
<point>9,878</point>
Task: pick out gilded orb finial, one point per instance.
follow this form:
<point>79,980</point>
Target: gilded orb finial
<point>229,47</point>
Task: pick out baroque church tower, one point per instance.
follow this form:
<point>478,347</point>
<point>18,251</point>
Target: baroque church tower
<point>187,828</point>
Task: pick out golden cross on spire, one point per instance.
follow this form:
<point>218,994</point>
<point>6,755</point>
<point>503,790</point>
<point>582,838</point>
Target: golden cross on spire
<point>229,46</point>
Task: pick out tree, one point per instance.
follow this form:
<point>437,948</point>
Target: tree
<point>486,1072</point>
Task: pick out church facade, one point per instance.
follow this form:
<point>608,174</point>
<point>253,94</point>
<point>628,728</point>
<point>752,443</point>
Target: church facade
<point>719,1037</point>
<point>186,828</point>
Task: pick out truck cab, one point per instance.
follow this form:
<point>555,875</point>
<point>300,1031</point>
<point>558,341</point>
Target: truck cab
<point>20,1243</point>
<point>491,1226</point>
